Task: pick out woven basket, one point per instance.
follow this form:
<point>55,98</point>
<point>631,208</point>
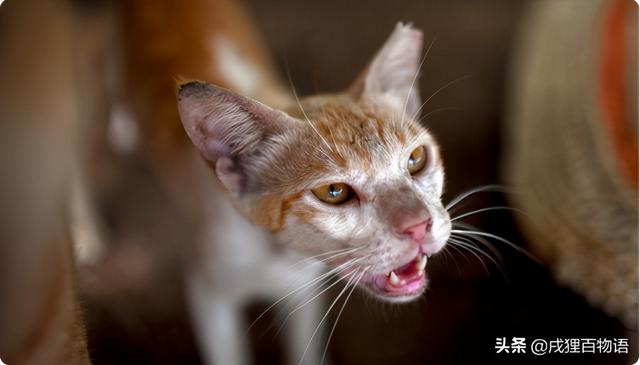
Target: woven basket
<point>571,147</point>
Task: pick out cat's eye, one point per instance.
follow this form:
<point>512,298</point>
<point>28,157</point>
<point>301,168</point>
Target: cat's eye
<point>336,193</point>
<point>417,160</point>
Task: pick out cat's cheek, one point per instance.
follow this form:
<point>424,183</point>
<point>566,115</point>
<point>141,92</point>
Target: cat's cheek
<point>340,226</point>
<point>305,239</point>
<point>338,223</point>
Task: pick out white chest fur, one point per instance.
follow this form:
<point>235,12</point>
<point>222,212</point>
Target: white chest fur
<point>238,265</point>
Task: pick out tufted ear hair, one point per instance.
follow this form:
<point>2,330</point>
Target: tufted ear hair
<point>393,70</point>
<point>226,127</point>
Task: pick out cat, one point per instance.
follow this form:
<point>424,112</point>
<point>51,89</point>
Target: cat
<point>351,179</point>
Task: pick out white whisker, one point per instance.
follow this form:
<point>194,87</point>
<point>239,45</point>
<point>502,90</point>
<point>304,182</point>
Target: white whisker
<point>437,110</point>
<point>415,77</point>
<point>471,243</point>
<point>333,253</point>
<point>335,323</point>
<point>453,257</point>
<point>470,192</point>
<point>319,278</point>
<point>485,210</point>
<point>480,240</point>
<point>307,294</point>
<point>295,95</point>
<point>438,91</point>
<point>335,144</point>
<point>461,253</point>
<point>351,277</point>
<point>468,249</point>
<point>485,234</point>
<point>300,306</point>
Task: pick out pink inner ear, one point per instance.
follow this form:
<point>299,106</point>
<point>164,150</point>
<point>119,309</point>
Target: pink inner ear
<point>192,115</point>
<point>213,149</point>
<point>222,123</point>
<point>229,176</point>
<point>203,121</point>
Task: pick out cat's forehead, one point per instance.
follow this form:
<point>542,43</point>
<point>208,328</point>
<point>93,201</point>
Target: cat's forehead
<point>365,131</point>
<point>350,140</point>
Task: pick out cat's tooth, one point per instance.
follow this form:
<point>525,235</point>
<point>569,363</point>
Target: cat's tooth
<point>394,278</point>
<point>420,265</point>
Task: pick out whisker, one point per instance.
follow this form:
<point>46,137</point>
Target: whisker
<point>453,258</point>
<point>300,306</point>
<point>480,240</point>
<point>438,91</point>
<point>466,247</point>
<point>437,110</point>
<point>352,276</point>
<point>501,239</point>
<point>471,243</point>
<point>295,95</point>
<point>485,210</point>
<point>307,294</point>
<point>468,193</point>
<point>335,144</point>
<point>335,323</point>
<point>461,254</point>
<point>312,282</point>
<point>333,253</point>
<point>445,254</point>
<point>415,77</point>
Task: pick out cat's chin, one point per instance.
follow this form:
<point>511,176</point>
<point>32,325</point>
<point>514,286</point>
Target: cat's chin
<point>403,284</point>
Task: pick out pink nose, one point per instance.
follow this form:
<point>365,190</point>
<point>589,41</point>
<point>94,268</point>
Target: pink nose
<point>418,231</point>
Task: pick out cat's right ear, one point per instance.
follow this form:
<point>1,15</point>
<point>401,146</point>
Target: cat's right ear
<point>225,127</point>
<point>394,69</point>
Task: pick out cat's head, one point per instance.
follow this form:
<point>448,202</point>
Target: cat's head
<point>350,177</point>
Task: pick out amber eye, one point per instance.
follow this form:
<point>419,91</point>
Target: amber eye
<point>417,160</point>
<point>336,193</point>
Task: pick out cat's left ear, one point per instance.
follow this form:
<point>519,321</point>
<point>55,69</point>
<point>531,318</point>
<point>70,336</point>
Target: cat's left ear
<point>394,69</point>
<point>228,129</point>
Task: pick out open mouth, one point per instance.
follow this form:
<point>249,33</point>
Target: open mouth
<point>405,282</point>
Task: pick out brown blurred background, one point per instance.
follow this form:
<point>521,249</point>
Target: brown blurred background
<point>323,44</point>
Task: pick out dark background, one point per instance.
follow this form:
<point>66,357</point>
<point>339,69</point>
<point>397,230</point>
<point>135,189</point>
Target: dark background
<point>325,44</point>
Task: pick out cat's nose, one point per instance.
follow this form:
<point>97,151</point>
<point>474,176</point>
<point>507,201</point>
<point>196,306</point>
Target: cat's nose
<point>418,231</point>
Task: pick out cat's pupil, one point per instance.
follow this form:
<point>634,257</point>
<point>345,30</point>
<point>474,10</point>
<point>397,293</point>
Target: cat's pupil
<point>334,192</point>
